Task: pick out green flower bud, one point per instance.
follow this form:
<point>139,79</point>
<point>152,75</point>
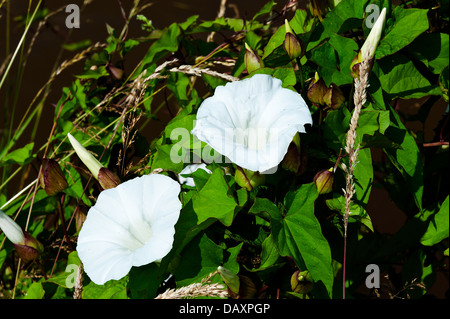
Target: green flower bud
<point>52,179</point>
<point>324,181</point>
<point>107,178</point>
<point>302,282</point>
<point>30,249</point>
<point>248,179</point>
<point>252,60</point>
<point>370,45</point>
<point>27,247</point>
<point>291,44</point>
<point>334,98</point>
<point>317,90</point>
<point>87,158</point>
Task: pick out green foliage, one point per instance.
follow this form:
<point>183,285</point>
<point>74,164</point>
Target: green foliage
<point>136,122</point>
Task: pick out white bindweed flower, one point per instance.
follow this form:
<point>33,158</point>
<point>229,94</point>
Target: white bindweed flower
<point>189,181</point>
<point>252,121</point>
<point>130,225</point>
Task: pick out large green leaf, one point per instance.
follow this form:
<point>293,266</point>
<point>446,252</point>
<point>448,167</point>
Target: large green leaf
<point>113,289</point>
<point>408,25</point>
<point>21,156</point>
<point>199,258</point>
<point>407,158</point>
<point>400,78</point>
<point>298,234</point>
<point>436,55</point>
<point>347,15</point>
<point>213,201</point>
<point>438,228</point>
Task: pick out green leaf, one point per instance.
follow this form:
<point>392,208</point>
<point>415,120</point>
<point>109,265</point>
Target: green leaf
<point>286,75</point>
<point>438,228</point>
<point>167,43</point>
<point>358,213</point>
<point>144,281</point>
<point>298,234</point>
<point>408,25</point>
<point>163,158</point>
<point>345,49</point>
<point>407,158</point>
<point>67,278</point>
<point>199,258</point>
<point>266,9</point>
<point>269,254</point>
<point>77,45</point>
<point>400,78</point>
<point>436,55</point>
<point>35,291</point>
<point>94,74</point>
<point>363,177</point>
<point>212,201</point>
<point>371,121</point>
<point>113,289</point>
<point>21,156</point>
<point>336,127</point>
<point>347,15</point>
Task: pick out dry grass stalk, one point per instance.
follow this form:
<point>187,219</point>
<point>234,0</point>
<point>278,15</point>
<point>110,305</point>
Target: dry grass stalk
<point>359,99</point>
<point>203,289</point>
<point>77,294</point>
<point>189,70</point>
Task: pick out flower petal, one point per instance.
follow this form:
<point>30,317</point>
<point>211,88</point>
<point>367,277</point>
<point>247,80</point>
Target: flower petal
<point>130,225</point>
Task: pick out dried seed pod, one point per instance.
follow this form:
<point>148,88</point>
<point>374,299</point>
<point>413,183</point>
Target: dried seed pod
<point>52,179</point>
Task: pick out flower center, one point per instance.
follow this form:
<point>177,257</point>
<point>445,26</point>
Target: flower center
<point>252,138</point>
<point>140,233</point>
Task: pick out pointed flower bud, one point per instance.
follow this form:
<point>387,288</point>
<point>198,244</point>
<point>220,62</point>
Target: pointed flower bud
<point>370,45</point>
<point>317,90</point>
<point>30,249</point>
<point>52,178</point>
<point>324,181</point>
<point>248,179</point>
<point>11,229</point>
<point>252,60</point>
<point>334,98</point>
<point>302,282</point>
<point>291,44</point>
<point>26,246</point>
<point>87,158</point>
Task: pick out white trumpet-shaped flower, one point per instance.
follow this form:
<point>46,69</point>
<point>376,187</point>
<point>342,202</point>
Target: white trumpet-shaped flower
<point>130,225</point>
<point>252,121</point>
